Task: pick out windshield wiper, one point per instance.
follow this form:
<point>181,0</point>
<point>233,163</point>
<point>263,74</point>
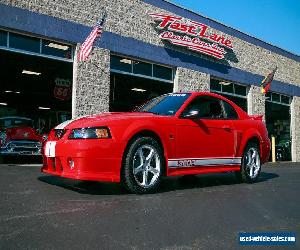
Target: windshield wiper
<point>155,113</point>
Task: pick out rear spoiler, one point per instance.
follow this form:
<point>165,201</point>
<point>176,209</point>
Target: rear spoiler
<point>256,117</point>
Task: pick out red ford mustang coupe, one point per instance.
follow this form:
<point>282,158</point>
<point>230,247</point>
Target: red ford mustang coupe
<point>173,134</point>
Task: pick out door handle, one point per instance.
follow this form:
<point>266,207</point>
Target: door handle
<point>226,127</point>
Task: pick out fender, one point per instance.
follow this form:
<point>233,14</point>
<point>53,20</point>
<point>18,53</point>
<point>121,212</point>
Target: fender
<point>248,134</point>
<point>140,126</point>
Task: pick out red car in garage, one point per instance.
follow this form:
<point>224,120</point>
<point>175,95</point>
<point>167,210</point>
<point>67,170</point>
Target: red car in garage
<point>173,134</point>
<point>19,137</point>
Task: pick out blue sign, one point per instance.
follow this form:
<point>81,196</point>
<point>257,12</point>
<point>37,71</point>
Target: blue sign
<point>267,238</point>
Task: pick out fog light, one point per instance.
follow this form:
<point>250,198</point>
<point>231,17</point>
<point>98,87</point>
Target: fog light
<point>71,163</point>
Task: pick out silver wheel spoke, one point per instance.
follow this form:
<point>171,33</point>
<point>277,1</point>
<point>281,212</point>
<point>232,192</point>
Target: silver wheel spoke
<point>150,155</point>
<point>141,155</point>
<point>254,155</point>
<point>251,170</point>
<point>154,171</point>
<point>138,169</point>
<point>249,158</point>
<point>145,177</point>
<point>146,169</point>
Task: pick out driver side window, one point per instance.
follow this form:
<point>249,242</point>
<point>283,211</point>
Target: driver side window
<point>206,106</point>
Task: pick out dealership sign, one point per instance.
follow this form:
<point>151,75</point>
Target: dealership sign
<point>62,89</point>
<point>192,35</point>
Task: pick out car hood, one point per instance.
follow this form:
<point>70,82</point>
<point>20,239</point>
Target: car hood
<point>103,119</point>
<point>22,133</point>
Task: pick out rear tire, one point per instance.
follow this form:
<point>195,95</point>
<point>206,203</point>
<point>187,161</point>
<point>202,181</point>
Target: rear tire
<point>142,166</point>
<point>251,164</point>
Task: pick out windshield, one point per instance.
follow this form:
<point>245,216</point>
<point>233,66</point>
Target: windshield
<point>164,105</point>
<point>15,122</point>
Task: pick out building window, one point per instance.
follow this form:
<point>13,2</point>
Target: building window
<point>35,46</point>
<point>285,99</point>
<point>240,90</point>
<point>232,91</point>
<point>223,86</point>
<point>162,72</point>
<point>227,87</point>
<point>3,38</point>
<point>142,68</point>
<point>27,43</point>
<point>123,65</point>
<point>275,97</point>
<point>278,98</point>
<point>56,49</point>
<point>215,85</point>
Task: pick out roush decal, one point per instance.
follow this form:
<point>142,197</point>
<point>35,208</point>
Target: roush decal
<point>178,95</point>
<point>192,35</point>
<point>182,163</point>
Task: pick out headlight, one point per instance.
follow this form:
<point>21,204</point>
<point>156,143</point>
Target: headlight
<point>90,133</point>
<point>2,137</point>
<point>59,133</point>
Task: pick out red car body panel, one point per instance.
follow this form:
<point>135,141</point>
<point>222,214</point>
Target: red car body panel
<point>22,133</point>
<point>190,147</point>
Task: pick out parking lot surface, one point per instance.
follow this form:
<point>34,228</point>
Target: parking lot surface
<point>39,211</point>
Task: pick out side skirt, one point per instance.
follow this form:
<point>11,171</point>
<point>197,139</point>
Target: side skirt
<point>202,166</point>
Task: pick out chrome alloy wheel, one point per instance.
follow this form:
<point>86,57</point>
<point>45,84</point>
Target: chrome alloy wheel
<point>146,165</point>
<point>252,160</point>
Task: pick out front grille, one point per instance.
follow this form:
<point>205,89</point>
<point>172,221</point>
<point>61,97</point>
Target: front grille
<point>22,147</point>
<point>24,144</point>
<point>55,164</point>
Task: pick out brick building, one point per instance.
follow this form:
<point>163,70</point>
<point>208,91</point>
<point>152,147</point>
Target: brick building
<point>138,57</point>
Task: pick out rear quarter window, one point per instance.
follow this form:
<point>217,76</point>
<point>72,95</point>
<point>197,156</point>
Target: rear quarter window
<point>230,111</point>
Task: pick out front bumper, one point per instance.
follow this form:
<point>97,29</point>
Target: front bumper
<point>86,159</point>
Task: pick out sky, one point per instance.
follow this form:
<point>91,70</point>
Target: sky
<point>274,21</point>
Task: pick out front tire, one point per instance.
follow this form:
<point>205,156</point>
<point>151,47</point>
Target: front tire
<point>143,166</point>
<point>251,164</point>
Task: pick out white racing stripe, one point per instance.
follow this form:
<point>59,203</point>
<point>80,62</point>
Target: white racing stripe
<point>66,123</point>
<point>194,162</point>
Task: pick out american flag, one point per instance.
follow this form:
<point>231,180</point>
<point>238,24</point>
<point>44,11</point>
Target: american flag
<point>266,83</point>
<point>86,47</point>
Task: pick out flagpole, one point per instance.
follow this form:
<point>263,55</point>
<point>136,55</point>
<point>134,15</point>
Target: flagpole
<point>266,82</point>
<point>87,46</point>
<point>83,52</point>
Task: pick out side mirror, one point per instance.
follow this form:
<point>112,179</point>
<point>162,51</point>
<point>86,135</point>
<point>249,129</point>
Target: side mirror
<point>192,114</point>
